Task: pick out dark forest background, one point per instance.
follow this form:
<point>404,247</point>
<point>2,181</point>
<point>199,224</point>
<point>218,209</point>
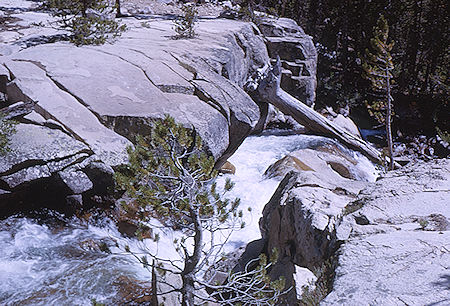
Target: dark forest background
<point>342,31</point>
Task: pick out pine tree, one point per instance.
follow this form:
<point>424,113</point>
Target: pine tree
<point>7,128</point>
<point>184,25</point>
<point>171,179</point>
<point>378,68</point>
<point>88,21</point>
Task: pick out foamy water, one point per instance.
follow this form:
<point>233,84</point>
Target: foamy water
<point>53,264</point>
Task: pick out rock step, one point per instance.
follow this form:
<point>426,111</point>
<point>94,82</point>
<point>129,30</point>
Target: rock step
<point>32,84</point>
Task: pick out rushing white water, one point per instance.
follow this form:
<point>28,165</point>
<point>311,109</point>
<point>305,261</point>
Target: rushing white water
<point>253,158</point>
<point>54,263</point>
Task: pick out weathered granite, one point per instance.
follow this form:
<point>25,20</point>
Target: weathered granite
<point>47,168</point>
<point>301,217</point>
<point>330,160</point>
<point>397,250</point>
<point>298,56</point>
<point>384,233</point>
<point>146,75</point>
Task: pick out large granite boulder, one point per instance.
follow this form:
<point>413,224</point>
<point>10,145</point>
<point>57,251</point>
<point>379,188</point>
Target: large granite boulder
<point>329,160</point>
<point>298,56</point>
<point>141,77</point>
<point>301,218</point>
<point>101,97</point>
<point>378,234</point>
<point>47,167</point>
<point>398,242</point>
<point>90,102</point>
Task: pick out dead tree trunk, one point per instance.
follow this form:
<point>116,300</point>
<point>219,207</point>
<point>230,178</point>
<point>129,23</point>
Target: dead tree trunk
<point>269,90</point>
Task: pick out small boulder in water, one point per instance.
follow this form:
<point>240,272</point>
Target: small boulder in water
<point>284,165</point>
<point>227,168</point>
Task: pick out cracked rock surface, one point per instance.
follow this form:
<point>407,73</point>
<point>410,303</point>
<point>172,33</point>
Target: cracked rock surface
<point>390,238</point>
<point>398,248</point>
<point>145,74</point>
<point>36,164</point>
<point>90,102</point>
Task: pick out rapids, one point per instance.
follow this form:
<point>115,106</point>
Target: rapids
<point>50,260</point>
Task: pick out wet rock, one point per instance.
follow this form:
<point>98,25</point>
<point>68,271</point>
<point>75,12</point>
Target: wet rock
<point>284,165</point>
<point>227,168</point>
<point>133,291</point>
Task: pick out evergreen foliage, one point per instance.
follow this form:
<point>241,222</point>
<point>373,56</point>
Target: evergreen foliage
<point>341,30</point>
<point>7,128</point>
<point>378,68</point>
<point>88,21</point>
<point>169,175</point>
<point>171,179</point>
<point>185,24</point>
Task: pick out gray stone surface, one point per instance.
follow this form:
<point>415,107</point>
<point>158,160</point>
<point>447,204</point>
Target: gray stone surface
<point>330,161</point>
<point>28,173</point>
<point>395,233</point>
<point>32,84</point>
<point>33,145</point>
<point>347,124</point>
<point>399,268</point>
<point>144,76</point>
<point>398,247</point>
<point>298,55</point>
<point>301,217</point>
<point>47,168</point>
<point>77,181</point>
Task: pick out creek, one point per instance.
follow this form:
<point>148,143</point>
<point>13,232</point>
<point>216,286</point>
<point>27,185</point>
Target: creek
<point>52,260</point>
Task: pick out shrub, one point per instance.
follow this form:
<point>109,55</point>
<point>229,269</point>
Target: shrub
<point>88,21</point>
<point>7,128</point>
<point>185,24</point>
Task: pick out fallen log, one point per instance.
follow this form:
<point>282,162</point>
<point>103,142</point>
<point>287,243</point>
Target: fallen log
<point>267,86</point>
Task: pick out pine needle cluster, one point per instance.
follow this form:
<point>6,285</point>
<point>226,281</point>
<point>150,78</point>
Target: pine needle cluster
<point>170,177</point>
<point>7,128</point>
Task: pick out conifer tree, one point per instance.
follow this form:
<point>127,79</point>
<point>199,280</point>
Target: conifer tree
<point>378,68</point>
<point>184,25</point>
<point>7,128</point>
<point>171,179</point>
<point>88,21</point>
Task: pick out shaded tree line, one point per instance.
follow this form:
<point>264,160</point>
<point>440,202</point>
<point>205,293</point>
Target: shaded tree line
<point>342,31</point>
